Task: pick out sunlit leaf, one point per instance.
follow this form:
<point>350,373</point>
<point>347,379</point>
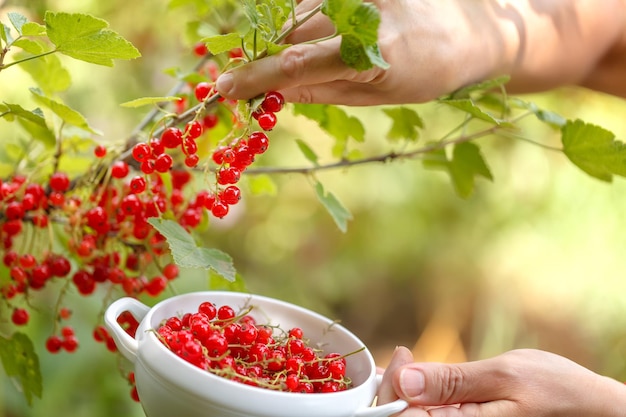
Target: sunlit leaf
<point>67,114</point>
<point>406,123</point>
<point>15,110</point>
<point>466,164</point>
<point>145,101</point>
<point>21,363</point>
<point>33,29</point>
<point>594,150</point>
<point>357,23</point>
<point>188,254</point>
<point>49,74</point>
<point>222,43</point>
<point>337,211</point>
<point>306,150</point>
<point>469,107</point>
<point>87,38</point>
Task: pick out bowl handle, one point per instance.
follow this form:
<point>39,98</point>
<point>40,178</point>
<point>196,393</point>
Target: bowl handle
<point>384,410</point>
<point>126,344</point>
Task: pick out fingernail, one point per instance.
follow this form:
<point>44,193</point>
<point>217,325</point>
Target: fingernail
<point>411,382</point>
<point>224,84</point>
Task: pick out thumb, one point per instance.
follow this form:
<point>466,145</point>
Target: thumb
<point>433,384</point>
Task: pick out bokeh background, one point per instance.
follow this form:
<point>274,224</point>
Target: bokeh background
<point>536,258</point>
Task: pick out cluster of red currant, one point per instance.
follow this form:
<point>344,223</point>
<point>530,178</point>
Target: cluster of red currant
<point>233,345</point>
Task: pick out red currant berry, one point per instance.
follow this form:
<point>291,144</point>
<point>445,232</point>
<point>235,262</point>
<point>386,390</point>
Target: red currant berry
<point>192,160</point>
<point>202,90</point>
<point>141,152</point>
<point>200,49</point>
<point>172,137</point>
<point>54,344</point>
<point>14,210</point>
<point>137,185</point>
<point>230,195</point>
<point>235,53</point>
<point>273,102</point>
<point>219,209</point>
<point>20,317</point>
<point>210,121</point>
<point>225,312</point>
<point>70,344</point>
<point>193,129</point>
<point>258,142</point>
<point>229,175</point>
<point>119,169</point>
<point>163,163</point>
<point>100,151</point>
<point>59,181</point>
<point>267,121</point>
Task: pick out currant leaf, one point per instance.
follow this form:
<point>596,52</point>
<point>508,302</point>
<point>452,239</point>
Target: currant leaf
<point>594,150</point>
<point>468,106</point>
<point>18,20</point>
<point>465,165</point>
<point>146,101</point>
<point>337,211</point>
<point>357,23</point>
<point>10,111</point>
<point>308,153</point>
<point>188,254</point>
<point>67,114</point>
<point>549,117</point>
<point>33,29</point>
<point>222,43</point>
<point>22,364</point>
<point>49,74</point>
<point>87,38</point>
<point>405,123</point>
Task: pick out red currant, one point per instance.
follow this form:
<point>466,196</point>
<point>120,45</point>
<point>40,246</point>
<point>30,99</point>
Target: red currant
<point>273,102</point>
<point>258,142</point>
<point>141,152</point>
<point>119,169</point>
<point>267,121</point>
<point>200,49</point>
<point>100,151</point>
<point>171,137</point>
<point>202,90</point>
<point>20,316</point>
<point>59,181</point>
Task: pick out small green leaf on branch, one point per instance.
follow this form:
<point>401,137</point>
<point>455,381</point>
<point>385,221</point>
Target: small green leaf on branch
<point>49,73</point>
<point>67,114</point>
<point>357,23</point>
<point>338,212</point>
<point>8,110</point>
<point>406,123</point>
<point>469,107</point>
<point>549,117</point>
<point>87,38</point>
<point>594,150</point>
<point>145,101</point>
<point>466,164</point>
<point>17,20</point>
<point>33,29</point>
<point>308,153</point>
<point>188,254</point>
<point>21,363</point>
<point>222,43</point>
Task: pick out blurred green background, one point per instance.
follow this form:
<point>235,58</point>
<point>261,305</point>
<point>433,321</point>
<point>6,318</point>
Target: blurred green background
<point>535,258</point>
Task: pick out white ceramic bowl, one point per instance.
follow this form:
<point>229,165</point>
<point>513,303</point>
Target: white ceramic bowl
<point>169,386</point>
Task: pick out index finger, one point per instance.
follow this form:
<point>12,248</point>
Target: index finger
<point>301,64</point>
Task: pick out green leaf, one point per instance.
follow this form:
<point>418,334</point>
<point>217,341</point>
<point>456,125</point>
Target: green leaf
<point>406,123</point>
<point>9,111</point>
<point>30,46</point>
<point>188,254</point>
<point>49,74</point>
<point>333,120</point>
<point>144,101</point>
<point>39,133</point>
<point>5,34</point>
<point>87,38</point>
<point>546,116</point>
<point>337,211</point>
<point>17,20</point>
<point>308,153</point>
<point>250,11</point>
<point>482,86</point>
<point>22,364</point>
<point>466,164</point>
<point>33,29</point>
<point>67,114</point>
<point>594,150</point>
<point>222,43</point>
<point>468,106</point>
<point>357,23</point>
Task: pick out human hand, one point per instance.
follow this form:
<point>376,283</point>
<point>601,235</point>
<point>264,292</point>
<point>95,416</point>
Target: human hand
<point>432,49</point>
<point>519,383</point>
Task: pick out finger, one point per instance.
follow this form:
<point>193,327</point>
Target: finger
<point>401,356</point>
<point>440,384</point>
<point>297,65</point>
